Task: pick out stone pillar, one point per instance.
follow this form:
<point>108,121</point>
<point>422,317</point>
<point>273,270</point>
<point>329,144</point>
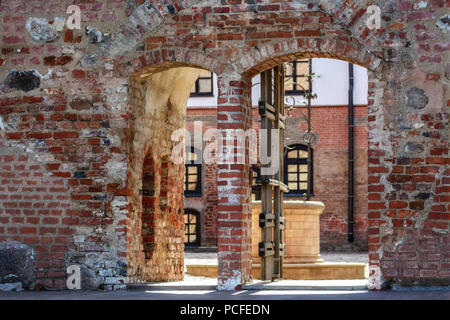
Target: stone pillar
<point>233,182</point>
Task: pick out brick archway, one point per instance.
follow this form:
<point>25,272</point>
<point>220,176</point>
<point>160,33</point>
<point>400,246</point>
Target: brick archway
<point>235,229</point>
<point>345,49</point>
<point>234,112</point>
<point>156,85</point>
<point>146,16</point>
<point>324,29</point>
<point>155,227</point>
<point>80,119</point>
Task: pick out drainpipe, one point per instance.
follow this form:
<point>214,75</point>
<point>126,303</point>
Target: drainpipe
<point>351,193</point>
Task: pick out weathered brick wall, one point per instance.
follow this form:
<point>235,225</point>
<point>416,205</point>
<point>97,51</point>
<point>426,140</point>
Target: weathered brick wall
<point>67,134</point>
<point>233,183</point>
<point>36,211</point>
<point>78,114</point>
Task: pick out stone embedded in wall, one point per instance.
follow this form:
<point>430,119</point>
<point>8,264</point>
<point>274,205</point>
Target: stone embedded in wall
<point>23,80</point>
<point>59,23</point>
<point>433,90</point>
<point>88,279</point>
<point>171,9</point>
<point>121,268</point>
<point>16,264</point>
<point>40,30</point>
<point>16,286</point>
<point>423,195</point>
<point>145,16</point>
<point>118,44</point>
<point>413,147</point>
<point>416,98</point>
<point>93,35</point>
<point>81,104</point>
<point>407,61</point>
<point>89,60</point>
<point>443,23</point>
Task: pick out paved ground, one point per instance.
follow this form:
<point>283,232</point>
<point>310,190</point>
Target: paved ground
<point>204,283</point>
<point>200,288</point>
<point>231,295</point>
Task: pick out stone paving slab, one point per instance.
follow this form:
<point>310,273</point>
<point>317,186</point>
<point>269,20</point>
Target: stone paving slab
<point>341,285</point>
<point>242,295</point>
<point>189,283</point>
<point>203,283</point>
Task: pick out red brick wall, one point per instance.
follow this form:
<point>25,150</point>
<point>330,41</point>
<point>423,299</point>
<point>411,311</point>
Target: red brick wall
<point>36,211</point>
<point>331,175</point>
<point>234,112</point>
<point>207,203</point>
<point>82,117</point>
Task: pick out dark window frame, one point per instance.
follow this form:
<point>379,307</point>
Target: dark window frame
<point>256,188</point>
<point>192,163</point>
<point>295,91</point>
<point>299,161</point>
<point>197,228</point>
<point>197,92</point>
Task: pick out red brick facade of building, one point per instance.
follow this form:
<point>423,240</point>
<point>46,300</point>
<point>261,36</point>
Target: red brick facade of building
<point>330,167</point>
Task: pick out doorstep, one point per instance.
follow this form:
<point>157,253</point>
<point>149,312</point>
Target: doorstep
<point>307,271</point>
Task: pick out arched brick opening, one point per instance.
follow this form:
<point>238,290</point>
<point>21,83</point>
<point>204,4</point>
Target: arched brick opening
<point>155,235</point>
<point>374,107</point>
<point>82,115</point>
<point>234,112</point>
<point>339,29</point>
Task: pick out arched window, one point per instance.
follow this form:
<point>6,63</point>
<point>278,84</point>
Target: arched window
<point>296,170</point>
<point>193,175</point>
<point>296,82</point>
<point>204,85</point>
<point>191,228</point>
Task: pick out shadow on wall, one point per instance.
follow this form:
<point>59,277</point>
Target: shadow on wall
<point>156,234</point>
